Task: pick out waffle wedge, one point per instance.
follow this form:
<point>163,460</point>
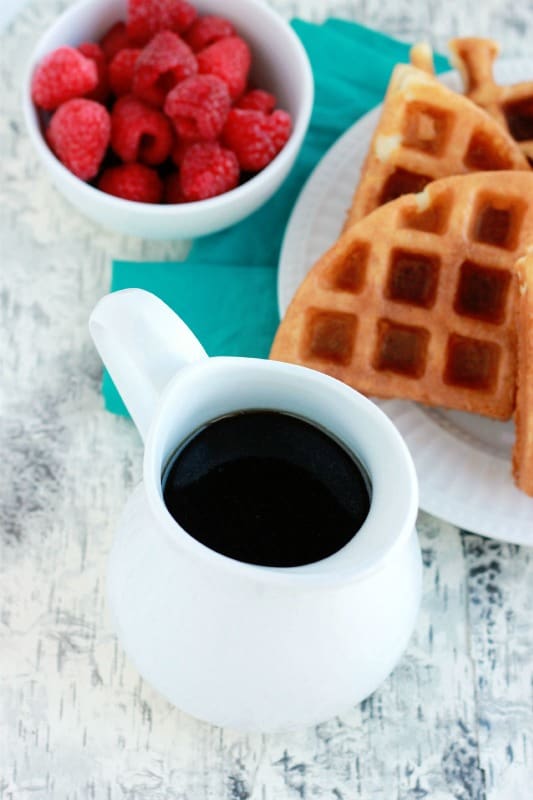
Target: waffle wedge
<point>421,57</point>
<point>523,448</point>
<point>511,106</point>
<point>418,300</point>
<point>427,131</point>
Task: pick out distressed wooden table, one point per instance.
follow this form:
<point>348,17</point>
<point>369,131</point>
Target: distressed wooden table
<point>455,718</point>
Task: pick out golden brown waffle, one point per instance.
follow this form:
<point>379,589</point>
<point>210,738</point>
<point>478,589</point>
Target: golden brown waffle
<point>418,300</point>
<point>523,449</point>
<point>421,57</point>
<point>427,131</point>
<point>511,106</point>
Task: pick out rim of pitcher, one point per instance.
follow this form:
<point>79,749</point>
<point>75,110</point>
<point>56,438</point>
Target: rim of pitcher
<point>344,565</point>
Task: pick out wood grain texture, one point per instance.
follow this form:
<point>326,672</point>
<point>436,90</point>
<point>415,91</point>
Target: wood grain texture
<point>454,720</point>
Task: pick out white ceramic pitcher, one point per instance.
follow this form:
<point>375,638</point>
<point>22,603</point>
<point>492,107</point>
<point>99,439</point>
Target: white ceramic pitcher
<point>240,645</point>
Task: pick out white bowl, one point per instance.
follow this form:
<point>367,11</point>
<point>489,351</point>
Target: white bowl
<point>279,64</point>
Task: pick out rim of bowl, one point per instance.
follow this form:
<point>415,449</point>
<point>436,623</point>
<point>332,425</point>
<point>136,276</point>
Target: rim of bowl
<point>241,192</point>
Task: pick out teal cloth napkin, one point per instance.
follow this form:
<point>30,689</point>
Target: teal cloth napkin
<point>226,289</point>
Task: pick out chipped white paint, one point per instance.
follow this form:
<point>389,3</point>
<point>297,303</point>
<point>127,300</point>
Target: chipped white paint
<point>454,721</point>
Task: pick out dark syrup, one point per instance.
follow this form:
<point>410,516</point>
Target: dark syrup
<point>266,488</point>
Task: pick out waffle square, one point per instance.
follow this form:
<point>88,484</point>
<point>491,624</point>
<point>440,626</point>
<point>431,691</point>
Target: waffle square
<point>419,299</point>
<point>426,132</point>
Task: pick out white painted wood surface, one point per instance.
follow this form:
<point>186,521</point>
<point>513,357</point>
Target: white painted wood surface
<point>455,719</point>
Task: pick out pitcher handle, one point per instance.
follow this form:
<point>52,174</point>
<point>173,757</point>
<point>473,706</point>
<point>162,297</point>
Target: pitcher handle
<point>142,343</point>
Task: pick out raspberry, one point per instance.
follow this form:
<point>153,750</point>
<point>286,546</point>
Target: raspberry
<point>228,59</point>
<point>79,135</point>
<point>61,76</point>
<point>207,30</point>
<point>173,192</point>
<point>148,17</point>
<point>257,100</point>
<point>254,137</point>
<point>207,170</point>
<point>162,64</point>
<point>115,39</point>
<point>132,182</point>
<point>178,151</point>
<point>121,70</point>
<point>198,107</point>
<point>280,128</point>
<point>100,93</point>
<point>139,132</point>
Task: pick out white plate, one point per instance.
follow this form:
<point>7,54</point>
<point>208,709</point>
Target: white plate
<point>462,460</point>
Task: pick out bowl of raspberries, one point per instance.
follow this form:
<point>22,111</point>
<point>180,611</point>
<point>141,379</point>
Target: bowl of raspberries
<point>165,119</point>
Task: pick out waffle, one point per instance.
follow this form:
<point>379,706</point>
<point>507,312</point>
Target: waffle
<point>427,131</point>
<point>421,57</point>
<point>523,448</point>
<point>511,106</point>
<point>418,300</point>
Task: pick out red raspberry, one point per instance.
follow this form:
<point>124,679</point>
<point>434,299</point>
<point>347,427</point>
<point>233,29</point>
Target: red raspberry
<point>114,40</point>
<point>79,135</point>
<point>163,63</point>
<point>198,107</point>
<point>148,17</point>
<point>140,132</point>
<point>178,151</point>
<point>207,30</point>
<point>173,192</point>
<point>132,182</point>
<point>100,93</point>
<point>62,75</point>
<point>208,170</point>
<point>228,59</point>
<point>121,70</point>
<point>257,100</point>
<point>280,128</point>
<point>254,137</point>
